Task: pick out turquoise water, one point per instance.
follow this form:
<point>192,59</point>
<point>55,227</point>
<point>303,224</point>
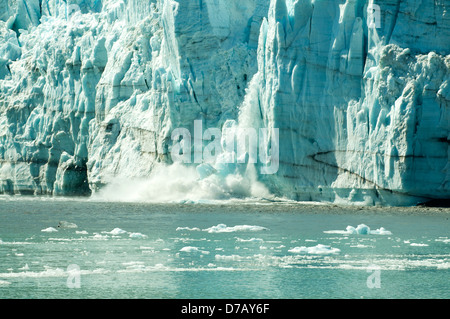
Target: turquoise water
<point>266,250</point>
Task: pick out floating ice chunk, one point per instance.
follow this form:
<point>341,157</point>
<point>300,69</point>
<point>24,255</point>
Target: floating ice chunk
<point>67,225</point>
<point>188,229</point>
<point>82,232</point>
<point>193,250</point>
<point>117,231</point>
<point>189,249</point>
<point>205,170</point>
<point>361,229</point>
<point>418,245</point>
<point>251,240</point>
<point>315,250</point>
<point>380,231</point>
<point>49,230</point>
<point>4,283</point>
<point>222,228</point>
<point>138,236</point>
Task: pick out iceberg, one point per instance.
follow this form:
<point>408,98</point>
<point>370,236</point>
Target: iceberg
<point>361,229</point>
<point>222,228</point>
<point>352,96</point>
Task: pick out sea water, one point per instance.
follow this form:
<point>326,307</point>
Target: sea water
<point>81,248</point>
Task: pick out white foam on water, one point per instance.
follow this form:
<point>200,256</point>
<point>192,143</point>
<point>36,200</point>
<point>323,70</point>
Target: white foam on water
<point>178,183</point>
<point>49,272</point>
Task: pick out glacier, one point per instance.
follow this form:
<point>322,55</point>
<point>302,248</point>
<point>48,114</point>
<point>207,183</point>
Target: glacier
<point>91,91</point>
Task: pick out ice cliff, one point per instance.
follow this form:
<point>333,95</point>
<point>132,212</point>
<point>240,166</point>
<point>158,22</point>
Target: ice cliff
<point>91,91</point>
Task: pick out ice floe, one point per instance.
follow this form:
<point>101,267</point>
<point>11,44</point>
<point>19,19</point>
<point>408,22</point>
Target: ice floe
<point>138,236</point>
<point>191,249</point>
<point>361,229</point>
<point>49,230</point>
<point>315,250</point>
<point>222,228</point>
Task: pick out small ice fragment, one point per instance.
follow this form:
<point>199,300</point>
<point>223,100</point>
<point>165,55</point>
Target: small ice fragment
<point>49,230</point>
<point>361,229</point>
<point>137,235</point>
<point>419,245</point>
<point>67,225</point>
<point>257,240</point>
<point>315,250</point>
<point>188,229</point>
<point>117,231</point>
<point>99,237</point>
<point>189,249</point>
<point>381,231</point>
<point>205,170</point>
<point>26,267</point>
<point>222,228</point>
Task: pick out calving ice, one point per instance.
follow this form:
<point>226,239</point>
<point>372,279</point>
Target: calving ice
<point>231,145</point>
